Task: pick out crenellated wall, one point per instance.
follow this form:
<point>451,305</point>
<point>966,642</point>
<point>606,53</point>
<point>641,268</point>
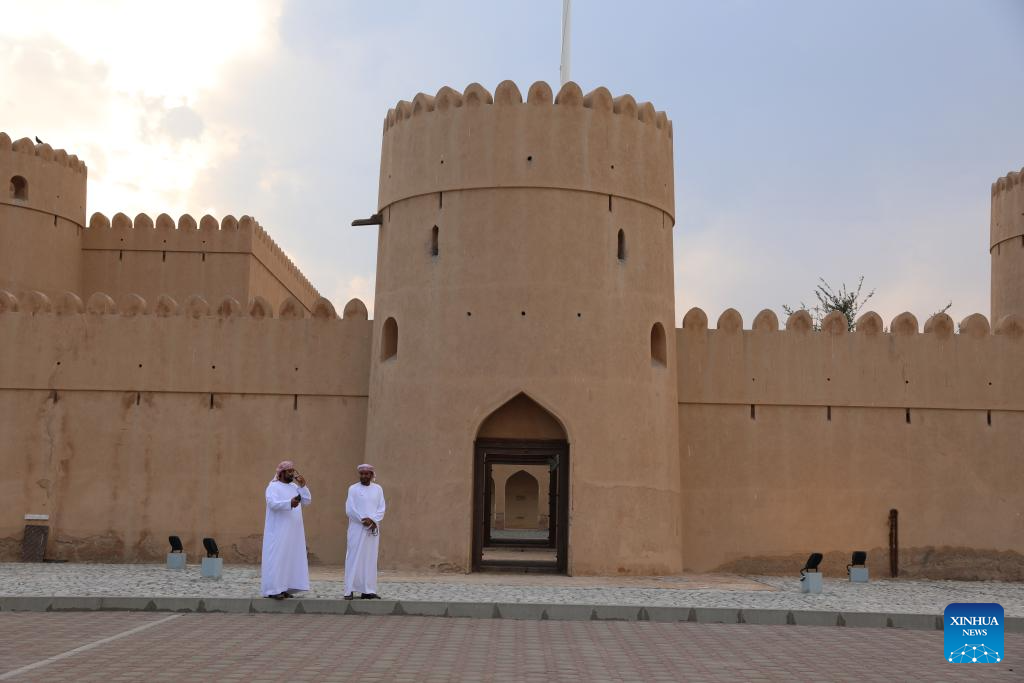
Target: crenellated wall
<point>1006,245</point>
<point>796,441</point>
<point>153,372</point>
<point>593,143</point>
<point>228,258</point>
<point>526,255</point>
<point>45,245</point>
<point>42,211</point>
<point>134,420</point>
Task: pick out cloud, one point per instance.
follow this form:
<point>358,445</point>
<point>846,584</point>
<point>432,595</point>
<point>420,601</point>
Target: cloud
<point>273,108</point>
<point>181,123</point>
<point>49,88</point>
<point>123,99</point>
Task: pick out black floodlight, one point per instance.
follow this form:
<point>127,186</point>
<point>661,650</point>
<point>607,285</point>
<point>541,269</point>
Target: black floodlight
<point>176,546</point>
<point>812,564</point>
<point>860,558</point>
<point>211,547</point>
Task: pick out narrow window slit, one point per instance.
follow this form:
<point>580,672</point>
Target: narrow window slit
<point>908,415</point>
<point>295,402</point>
<point>19,188</point>
<point>753,412</point>
<point>204,257</point>
<point>659,346</point>
<point>120,254</point>
<point>211,401</point>
<point>138,397</point>
<point>830,413</point>
<point>163,256</point>
<point>440,200</point>
<point>609,202</point>
<point>988,417</point>
<point>434,250</point>
<point>389,341</point>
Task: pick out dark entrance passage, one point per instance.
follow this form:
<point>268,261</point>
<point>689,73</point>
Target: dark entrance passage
<point>520,519</point>
<point>521,490</point>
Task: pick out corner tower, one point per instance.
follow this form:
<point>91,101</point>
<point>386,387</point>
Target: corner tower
<point>42,213</point>
<point>525,252</point>
<point>1007,246</point>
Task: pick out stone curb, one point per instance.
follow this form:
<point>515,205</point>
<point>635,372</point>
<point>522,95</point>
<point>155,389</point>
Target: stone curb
<point>485,610</point>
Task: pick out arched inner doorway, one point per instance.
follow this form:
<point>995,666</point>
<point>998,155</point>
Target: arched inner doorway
<point>521,490</point>
<point>521,499</point>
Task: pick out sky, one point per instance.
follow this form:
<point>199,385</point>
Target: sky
<point>812,139</point>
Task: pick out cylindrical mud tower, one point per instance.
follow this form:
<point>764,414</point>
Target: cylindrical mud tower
<point>42,213</point>
<point>1007,246</point>
<point>525,296</point>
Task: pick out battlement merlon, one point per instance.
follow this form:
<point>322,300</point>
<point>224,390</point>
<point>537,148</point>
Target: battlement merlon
<point>1007,208</point>
<point>38,177</point>
<point>198,347</point>
<point>904,368</point>
<point>229,235</point>
<point>471,140</point>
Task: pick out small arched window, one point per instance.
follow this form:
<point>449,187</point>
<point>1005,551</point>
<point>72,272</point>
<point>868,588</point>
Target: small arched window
<point>389,340</point>
<point>622,245</point>
<point>433,241</point>
<point>19,188</point>
<point>659,346</point>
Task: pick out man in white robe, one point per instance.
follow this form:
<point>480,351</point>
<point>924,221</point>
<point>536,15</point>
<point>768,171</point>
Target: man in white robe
<point>365,510</point>
<point>285,569</point>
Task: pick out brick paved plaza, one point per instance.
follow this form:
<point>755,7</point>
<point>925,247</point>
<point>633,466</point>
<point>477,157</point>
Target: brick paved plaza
<point>526,643</point>
<point>160,646</point>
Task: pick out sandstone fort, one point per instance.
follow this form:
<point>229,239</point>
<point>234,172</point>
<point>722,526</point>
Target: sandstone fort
<point>524,385</point>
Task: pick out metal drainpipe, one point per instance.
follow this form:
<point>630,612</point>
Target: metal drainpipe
<point>894,543</point>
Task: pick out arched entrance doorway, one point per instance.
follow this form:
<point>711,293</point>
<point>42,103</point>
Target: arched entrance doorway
<point>521,490</point>
<point>521,498</point>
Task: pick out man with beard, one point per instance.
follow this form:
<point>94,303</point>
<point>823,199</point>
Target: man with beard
<point>285,569</point>
<point>365,510</point>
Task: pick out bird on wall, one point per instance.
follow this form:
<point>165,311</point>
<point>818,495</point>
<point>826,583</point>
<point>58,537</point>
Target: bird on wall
<point>38,141</point>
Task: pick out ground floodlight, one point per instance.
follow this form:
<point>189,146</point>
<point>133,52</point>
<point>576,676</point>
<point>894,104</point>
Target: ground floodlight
<point>860,558</point>
<point>857,570</point>
<point>812,564</point>
<point>211,547</point>
<point>176,546</point>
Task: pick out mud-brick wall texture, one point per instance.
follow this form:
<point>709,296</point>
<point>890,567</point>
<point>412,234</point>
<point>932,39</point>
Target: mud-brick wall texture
<point>42,213</point>
<point>798,441</point>
<point>127,429</point>
<point>525,255</point>
<point>209,258</point>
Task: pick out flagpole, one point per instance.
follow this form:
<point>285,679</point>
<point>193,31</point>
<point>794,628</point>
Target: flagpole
<point>566,40</point>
